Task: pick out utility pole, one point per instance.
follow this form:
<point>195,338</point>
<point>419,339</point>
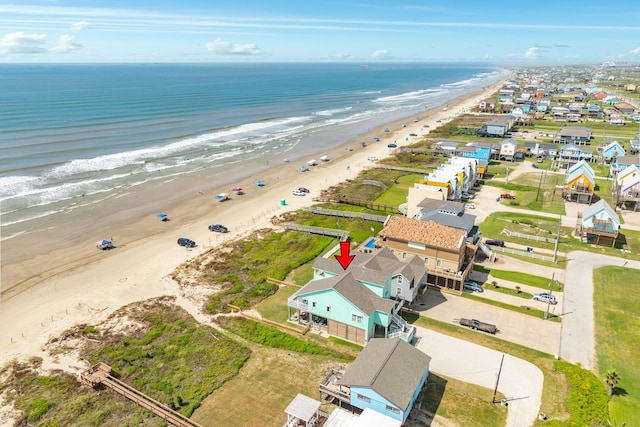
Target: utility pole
<point>495,389</point>
<point>546,314</point>
<point>555,250</point>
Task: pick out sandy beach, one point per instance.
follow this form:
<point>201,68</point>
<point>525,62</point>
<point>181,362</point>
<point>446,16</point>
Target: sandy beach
<point>53,290</point>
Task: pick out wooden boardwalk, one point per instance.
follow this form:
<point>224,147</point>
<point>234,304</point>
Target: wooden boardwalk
<point>101,374</point>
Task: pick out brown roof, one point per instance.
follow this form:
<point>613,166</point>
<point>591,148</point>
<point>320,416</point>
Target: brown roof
<point>427,232</point>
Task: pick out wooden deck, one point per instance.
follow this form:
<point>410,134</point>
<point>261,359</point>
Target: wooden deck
<point>100,374</point>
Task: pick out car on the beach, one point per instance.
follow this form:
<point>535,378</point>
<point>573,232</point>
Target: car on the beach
<point>507,196</point>
<point>219,228</point>
<point>298,193</point>
<point>376,139</point>
<point>413,134</point>
<point>183,241</point>
<point>392,145</point>
<point>470,285</point>
<point>303,189</point>
<point>372,158</point>
<point>545,297</point>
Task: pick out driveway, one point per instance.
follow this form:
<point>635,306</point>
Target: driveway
<point>577,343</point>
<point>520,381</point>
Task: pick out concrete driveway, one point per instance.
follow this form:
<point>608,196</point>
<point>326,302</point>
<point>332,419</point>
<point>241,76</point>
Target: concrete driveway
<point>520,381</point>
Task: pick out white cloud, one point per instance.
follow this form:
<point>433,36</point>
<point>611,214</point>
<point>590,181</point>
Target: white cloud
<point>532,53</point>
<point>341,55</point>
<point>223,47</point>
<point>79,26</point>
<point>66,44</point>
<point>20,42</point>
<point>381,54</point>
<point>635,51</point>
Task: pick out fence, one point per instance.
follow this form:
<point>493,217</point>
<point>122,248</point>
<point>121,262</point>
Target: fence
<point>348,214</point>
<point>529,236</point>
<point>526,254</point>
<point>343,235</point>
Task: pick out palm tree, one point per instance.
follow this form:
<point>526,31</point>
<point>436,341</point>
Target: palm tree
<point>612,379</point>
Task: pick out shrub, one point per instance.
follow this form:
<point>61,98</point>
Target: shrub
<point>37,409</point>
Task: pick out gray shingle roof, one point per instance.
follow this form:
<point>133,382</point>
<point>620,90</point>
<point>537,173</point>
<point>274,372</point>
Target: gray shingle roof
<point>597,207</point>
<point>375,267</point>
<point>391,367</point>
<point>352,290</point>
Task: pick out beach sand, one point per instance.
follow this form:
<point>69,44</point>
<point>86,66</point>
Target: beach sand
<point>49,291</point>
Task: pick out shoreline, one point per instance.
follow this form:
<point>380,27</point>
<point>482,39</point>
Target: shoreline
<point>64,287</point>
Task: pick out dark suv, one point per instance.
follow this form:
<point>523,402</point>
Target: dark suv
<point>183,241</point>
<point>494,243</point>
<point>219,228</point>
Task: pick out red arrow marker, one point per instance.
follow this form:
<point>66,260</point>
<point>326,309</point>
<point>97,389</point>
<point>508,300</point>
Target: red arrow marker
<point>344,258</point>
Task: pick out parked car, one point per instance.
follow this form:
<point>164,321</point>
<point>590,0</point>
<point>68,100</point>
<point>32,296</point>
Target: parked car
<point>392,145</point>
<point>469,206</point>
<point>539,160</point>
<point>372,158</point>
<point>494,242</point>
<point>545,297</point>
<point>507,196</point>
<point>376,139</point>
<point>472,286</point>
<point>466,196</point>
<point>183,241</point>
<point>298,193</point>
<point>481,326</point>
<point>413,134</point>
<point>303,189</point>
<point>218,228</point>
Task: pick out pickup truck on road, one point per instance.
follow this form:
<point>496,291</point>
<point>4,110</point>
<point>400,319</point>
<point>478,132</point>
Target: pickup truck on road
<point>481,326</point>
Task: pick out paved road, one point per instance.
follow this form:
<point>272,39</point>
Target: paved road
<point>577,342</point>
<point>520,381</point>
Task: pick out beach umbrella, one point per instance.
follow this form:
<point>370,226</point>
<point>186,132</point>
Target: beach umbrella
<point>162,215</point>
<point>236,189</point>
<point>222,196</point>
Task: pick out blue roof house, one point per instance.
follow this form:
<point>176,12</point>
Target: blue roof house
<point>387,376</point>
<point>472,151</point>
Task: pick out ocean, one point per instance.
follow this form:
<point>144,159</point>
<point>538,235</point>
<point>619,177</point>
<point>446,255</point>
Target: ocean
<point>75,136</point>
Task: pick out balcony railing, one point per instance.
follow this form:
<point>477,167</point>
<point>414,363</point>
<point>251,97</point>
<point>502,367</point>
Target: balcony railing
<point>297,303</point>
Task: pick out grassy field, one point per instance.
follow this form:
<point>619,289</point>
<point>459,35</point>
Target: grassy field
<point>616,301</point>
<point>521,277</point>
<point>397,194</point>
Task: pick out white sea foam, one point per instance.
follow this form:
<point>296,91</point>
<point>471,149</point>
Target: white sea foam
<point>424,94</point>
<point>332,112</point>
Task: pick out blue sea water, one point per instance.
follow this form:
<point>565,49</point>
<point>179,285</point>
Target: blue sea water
<point>72,135</point>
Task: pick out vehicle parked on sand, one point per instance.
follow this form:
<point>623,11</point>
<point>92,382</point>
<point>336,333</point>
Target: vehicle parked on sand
<point>298,193</point>
<point>472,286</point>
<point>545,297</point>
<point>218,228</point>
<point>469,206</point>
<point>480,326</point>
<point>183,241</point>
<point>303,189</point>
<point>392,145</point>
<point>372,158</point>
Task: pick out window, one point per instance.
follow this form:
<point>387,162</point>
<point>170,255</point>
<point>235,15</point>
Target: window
<point>439,263</point>
<point>404,255</point>
<point>426,261</point>
<point>398,291</point>
<point>399,280</point>
<point>328,308</point>
<point>364,398</point>
<point>313,304</point>
<point>392,409</point>
<point>356,318</point>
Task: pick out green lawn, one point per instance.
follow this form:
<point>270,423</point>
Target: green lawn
<point>397,194</point>
<point>617,319</point>
<point>521,277</point>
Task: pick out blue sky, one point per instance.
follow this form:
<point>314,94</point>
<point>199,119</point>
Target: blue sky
<point>499,32</point>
